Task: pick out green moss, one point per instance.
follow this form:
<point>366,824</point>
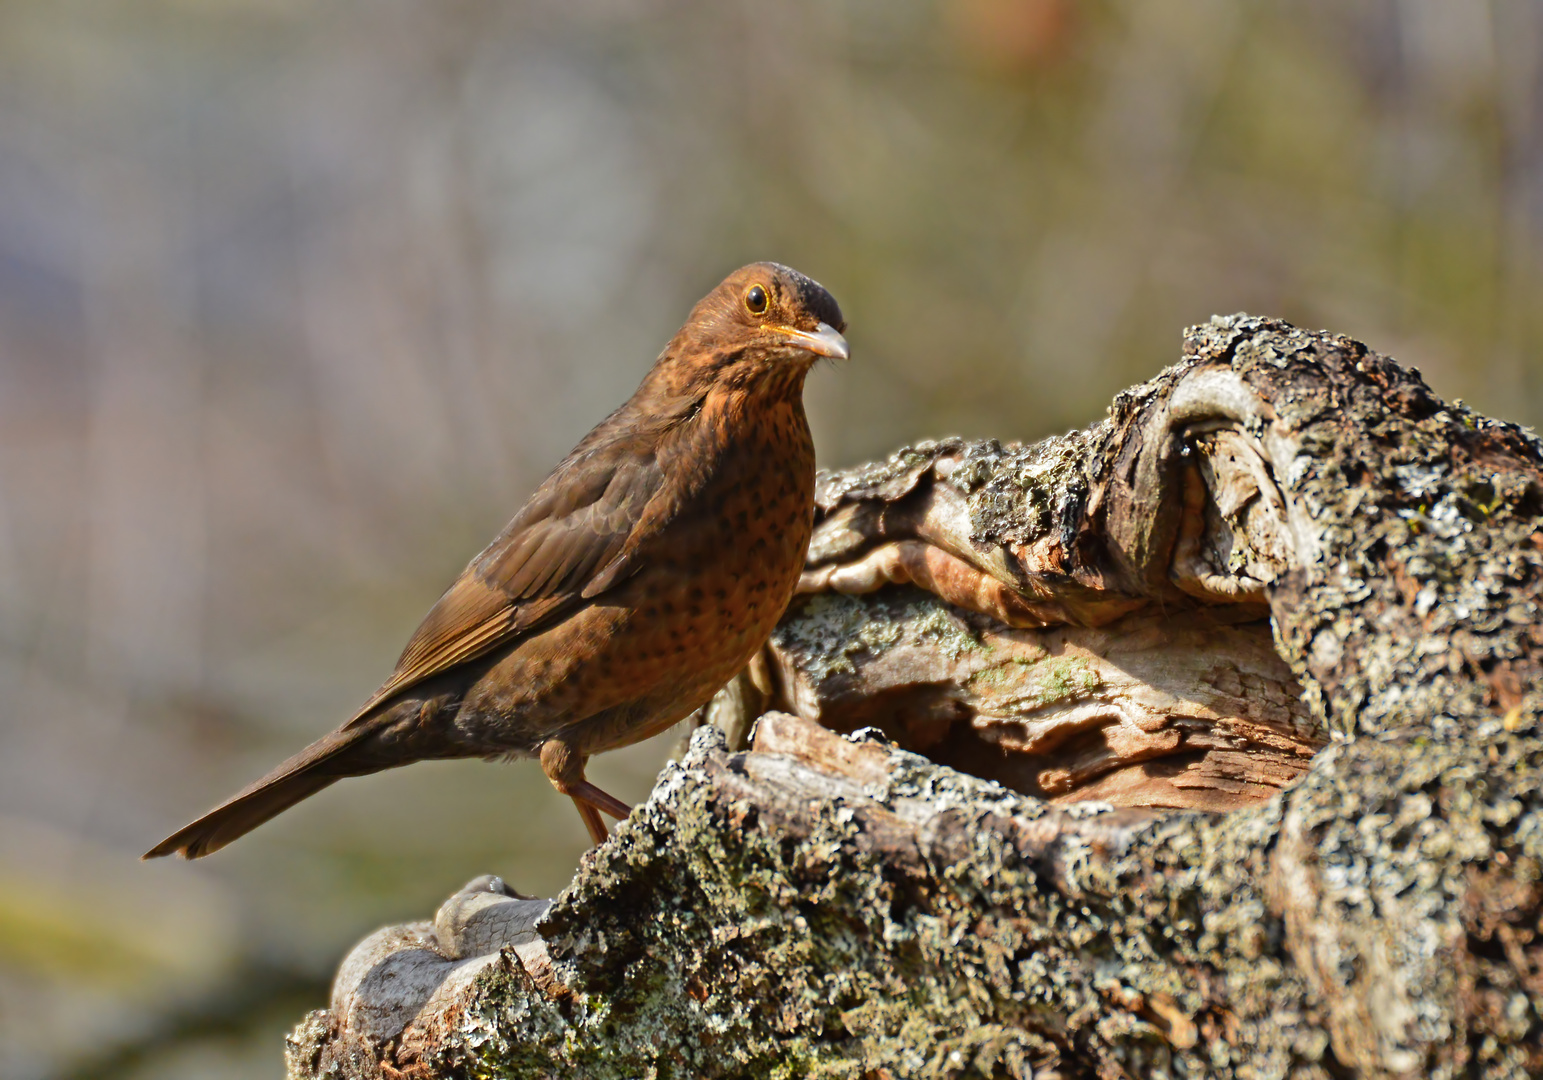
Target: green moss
<point>1066,677</point>
<point>1022,684</point>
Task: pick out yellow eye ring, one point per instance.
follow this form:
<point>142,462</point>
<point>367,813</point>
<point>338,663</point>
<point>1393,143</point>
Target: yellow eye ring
<point>756,300</point>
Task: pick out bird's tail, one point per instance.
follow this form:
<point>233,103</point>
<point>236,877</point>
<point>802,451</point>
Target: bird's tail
<point>300,777</point>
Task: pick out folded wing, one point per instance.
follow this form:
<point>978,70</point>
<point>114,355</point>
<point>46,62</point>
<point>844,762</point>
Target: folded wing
<point>574,539</point>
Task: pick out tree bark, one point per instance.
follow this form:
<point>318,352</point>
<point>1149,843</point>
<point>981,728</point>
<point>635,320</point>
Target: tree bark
<point>1201,742</point>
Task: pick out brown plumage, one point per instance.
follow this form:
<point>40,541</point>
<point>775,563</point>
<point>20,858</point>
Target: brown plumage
<point>640,576</point>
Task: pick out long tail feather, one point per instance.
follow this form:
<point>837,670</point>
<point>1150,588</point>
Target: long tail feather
<point>300,777</point>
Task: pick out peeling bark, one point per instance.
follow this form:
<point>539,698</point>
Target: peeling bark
<point>1086,828</point>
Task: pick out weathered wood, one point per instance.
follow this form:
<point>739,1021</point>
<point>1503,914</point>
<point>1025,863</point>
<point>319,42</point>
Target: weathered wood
<point>820,905</point>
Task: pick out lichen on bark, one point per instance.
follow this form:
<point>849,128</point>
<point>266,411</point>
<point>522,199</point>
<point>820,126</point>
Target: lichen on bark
<point>816,904</point>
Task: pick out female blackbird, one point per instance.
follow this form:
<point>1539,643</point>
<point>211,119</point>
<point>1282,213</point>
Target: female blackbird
<point>641,575</point>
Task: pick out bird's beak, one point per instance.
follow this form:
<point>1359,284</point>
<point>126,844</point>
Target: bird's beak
<point>826,340</point>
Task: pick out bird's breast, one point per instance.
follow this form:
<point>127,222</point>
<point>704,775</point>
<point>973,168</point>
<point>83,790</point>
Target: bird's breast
<point>741,540</point>
<point>723,574</point>
<point>707,593</point>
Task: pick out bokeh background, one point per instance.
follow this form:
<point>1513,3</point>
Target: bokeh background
<point>299,299</point>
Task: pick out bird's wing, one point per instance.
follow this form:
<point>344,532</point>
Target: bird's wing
<point>574,539</point>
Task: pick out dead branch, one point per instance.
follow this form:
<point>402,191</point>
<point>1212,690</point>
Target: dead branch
<point>1142,632</point>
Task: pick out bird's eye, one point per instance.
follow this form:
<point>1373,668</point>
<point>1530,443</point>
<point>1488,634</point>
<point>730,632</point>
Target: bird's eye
<point>755,300</point>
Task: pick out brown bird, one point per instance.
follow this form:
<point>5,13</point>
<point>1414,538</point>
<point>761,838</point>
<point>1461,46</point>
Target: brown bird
<point>638,579</point>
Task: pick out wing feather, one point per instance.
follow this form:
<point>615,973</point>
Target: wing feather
<point>593,512</point>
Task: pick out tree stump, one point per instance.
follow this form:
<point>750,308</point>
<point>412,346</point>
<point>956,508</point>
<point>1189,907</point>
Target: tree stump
<point>1203,742</point>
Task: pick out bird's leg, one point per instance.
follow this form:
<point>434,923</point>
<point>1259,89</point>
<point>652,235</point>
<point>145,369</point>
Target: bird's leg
<point>592,821</point>
<point>600,800</point>
<point>564,767</point>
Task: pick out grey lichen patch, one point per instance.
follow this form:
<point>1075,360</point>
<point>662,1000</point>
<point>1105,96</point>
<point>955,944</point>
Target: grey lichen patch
<point>825,631</point>
<point>1414,857</point>
<point>888,479</point>
<point>931,620</point>
<point>1428,518</point>
<point>819,961</point>
<point>1017,494</point>
<point>305,1046</point>
<point>779,985</point>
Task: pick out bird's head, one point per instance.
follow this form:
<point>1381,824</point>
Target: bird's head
<point>764,323</point>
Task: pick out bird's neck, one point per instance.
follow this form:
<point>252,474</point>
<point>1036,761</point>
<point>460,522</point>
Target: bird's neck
<point>745,410</point>
<point>759,426</point>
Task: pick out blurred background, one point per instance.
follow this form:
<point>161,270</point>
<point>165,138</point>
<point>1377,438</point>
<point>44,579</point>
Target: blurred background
<point>298,300</point>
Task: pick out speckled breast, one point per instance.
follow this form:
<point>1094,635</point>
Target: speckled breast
<point>711,588</point>
<point>722,583</point>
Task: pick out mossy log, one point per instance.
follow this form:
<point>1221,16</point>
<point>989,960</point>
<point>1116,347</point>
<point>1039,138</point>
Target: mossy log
<point>1202,742</point>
